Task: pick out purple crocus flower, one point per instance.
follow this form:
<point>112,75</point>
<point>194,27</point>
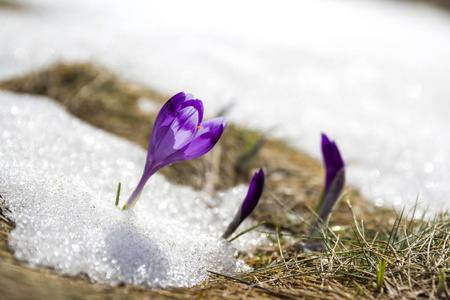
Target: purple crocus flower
<point>251,200</point>
<point>334,179</point>
<point>178,134</point>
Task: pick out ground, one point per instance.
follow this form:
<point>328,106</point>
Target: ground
<point>347,268</point>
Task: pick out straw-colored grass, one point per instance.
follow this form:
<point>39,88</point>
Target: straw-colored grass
<point>370,253</point>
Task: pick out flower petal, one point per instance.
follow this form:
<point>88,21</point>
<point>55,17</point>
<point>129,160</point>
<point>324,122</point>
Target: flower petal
<point>180,134</point>
<point>205,138</point>
<point>254,193</point>
<point>251,200</point>
<point>185,127</point>
<point>334,181</point>
<point>197,104</point>
<point>173,116</point>
<point>332,195</point>
<point>169,111</point>
<point>164,119</point>
<point>332,160</point>
<point>175,127</point>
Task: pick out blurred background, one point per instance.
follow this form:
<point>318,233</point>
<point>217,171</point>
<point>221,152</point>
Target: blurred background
<point>372,74</point>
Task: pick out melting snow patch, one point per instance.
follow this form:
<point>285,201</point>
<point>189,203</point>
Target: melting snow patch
<point>58,181</point>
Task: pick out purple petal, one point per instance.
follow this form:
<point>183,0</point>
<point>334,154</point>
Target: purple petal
<point>193,145</point>
<point>162,155</point>
<point>178,134</point>
<point>334,180</point>
<point>185,127</point>
<point>205,138</point>
<point>182,117</point>
<point>169,111</point>
<point>251,200</point>
<point>254,193</point>
<point>332,160</point>
<point>197,104</point>
<point>164,119</point>
<point>332,195</point>
<point>189,96</point>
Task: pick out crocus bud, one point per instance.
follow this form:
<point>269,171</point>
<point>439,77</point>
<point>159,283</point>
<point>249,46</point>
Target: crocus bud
<point>251,200</point>
<point>334,179</point>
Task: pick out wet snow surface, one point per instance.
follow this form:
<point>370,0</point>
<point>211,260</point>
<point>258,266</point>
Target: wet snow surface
<point>60,190</point>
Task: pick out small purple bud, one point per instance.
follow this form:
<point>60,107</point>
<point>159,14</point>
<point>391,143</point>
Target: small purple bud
<point>334,179</point>
<point>332,160</point>
<point>251,200</point>
<point>178,134</point>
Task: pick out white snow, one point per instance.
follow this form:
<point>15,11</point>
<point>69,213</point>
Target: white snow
<point>373,75</point>
<point>58,180</point>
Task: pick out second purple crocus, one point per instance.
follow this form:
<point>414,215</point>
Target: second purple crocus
<point>251,200</point>
<point>334,179</point>
<point>178,134</point>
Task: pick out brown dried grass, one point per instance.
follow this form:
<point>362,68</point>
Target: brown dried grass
<point>292,178</point>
